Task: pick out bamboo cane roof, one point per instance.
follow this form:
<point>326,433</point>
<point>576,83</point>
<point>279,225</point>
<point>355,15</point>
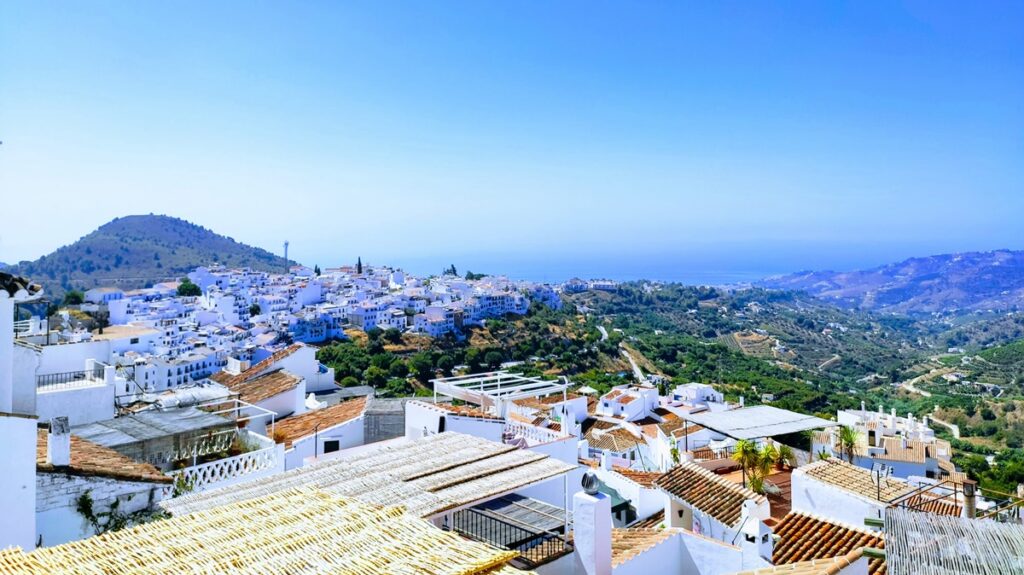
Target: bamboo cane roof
<point>426,476</point>
<point>292,532</point>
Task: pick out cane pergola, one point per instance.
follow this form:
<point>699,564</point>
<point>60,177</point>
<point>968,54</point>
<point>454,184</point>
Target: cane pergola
<point>918,543</point>
<point>427,476</point>
<point>294,532</point>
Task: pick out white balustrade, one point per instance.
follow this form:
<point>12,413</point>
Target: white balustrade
<point>532,433</point>
<point>236,469</point>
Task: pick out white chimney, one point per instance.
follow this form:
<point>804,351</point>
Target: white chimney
<point>592,529</point>
<point>757,543</point>
<point>606,461</point>
<point>58,443</point>
<point>863,407</point>
<point>741,401</point>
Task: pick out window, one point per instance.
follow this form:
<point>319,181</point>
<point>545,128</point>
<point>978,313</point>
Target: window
<point>331,445</point>
<point>134,340</point>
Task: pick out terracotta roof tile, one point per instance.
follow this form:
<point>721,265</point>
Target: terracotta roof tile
<point>91,459</point>
<point>853,479</point>
<point>265,386</point>
<point>226,378</point>
<point>804,537</point>
<point>710,493</point>
<point>630,542</point>
<point>294,428</point>
<point>652,521</point>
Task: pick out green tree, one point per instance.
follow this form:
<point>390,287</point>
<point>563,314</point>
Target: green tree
<point>349,381</point>
<point>422,367</point>
<point>375,376</point>
<point>316,270</point>
<point>848,438</point>
<point>188,289</point>
<point>254,309</point>
<point>398,368</point>
<point>74,297</point>
<point>359,265</point>
<point>493,359</point>
<point>445,363</point>
<point>393,335</point>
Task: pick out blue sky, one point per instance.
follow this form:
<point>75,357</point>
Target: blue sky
<point>796,134</point>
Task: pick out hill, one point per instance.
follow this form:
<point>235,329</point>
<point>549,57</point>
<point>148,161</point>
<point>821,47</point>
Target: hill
<point>136,251</point>
<point>944,283</point>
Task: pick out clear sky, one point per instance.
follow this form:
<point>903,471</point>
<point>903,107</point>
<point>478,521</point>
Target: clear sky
<point>821,133</point>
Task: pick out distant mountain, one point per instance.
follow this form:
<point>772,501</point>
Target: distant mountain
<point>137,251</point>
<point>951,282</point>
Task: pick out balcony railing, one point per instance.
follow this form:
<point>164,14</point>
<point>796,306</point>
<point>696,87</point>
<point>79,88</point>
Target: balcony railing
<point>534,546</point>
<point>267,460</point>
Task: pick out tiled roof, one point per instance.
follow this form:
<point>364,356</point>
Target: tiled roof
<point>294,428</point>
<point>804,537</point>
<point>830,566</point>
<point>90,459</point>
<point>229,379</point>
<point>264,387</point>
<point>643,478</point>
<point>652,521</point>
<point>615,439</point>
<point>630,542</point>
<point>710,493</point>
<point>854,479</point>
<point>913,452</point>
<point>463,410</point>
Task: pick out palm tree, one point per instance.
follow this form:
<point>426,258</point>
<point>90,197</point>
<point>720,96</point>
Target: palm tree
<point>848,439</point>
<point>762,467</point>
<point>745,453</point>
<point>785,456</point>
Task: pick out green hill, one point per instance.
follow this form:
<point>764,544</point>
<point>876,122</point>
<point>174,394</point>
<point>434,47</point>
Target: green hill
<point>137,251</point>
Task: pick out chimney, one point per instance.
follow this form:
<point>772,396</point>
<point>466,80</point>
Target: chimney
<point>970,500</point>
<point>741,401</point>
<point>863,407</point>
<point>58,443</point>
<point>606,461</point>
<point>592,529</point>
<point>757,543</point>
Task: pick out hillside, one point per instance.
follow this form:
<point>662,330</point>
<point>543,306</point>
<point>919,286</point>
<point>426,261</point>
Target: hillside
<point>943,283</point>
<point>136,251</point>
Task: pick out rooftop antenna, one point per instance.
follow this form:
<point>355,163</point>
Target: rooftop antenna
<point>286,256</point>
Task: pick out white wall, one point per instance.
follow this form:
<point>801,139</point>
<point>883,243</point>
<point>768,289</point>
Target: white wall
<point>17,482</point>
<point>348,434</point>
<point>56,514</point>
<point>303,363</point>
<point>72,356</point>
<point>26,364</point>
<point>553,491</point>
<point>812,496</point>
<point>81,404</point>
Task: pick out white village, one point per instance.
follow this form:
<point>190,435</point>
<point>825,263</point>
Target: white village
<point>199,433</point>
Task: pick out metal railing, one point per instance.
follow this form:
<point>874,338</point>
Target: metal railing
<point>534,546</point>
<point>66,380</point>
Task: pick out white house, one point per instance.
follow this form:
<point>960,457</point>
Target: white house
<point>321,431</point>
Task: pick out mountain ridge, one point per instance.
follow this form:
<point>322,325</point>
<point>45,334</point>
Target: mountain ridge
<point>957,282</point>
<point>139,250</point>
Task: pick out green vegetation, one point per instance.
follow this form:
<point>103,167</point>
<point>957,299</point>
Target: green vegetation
<point>138,251</point>
<point>188,289</point>
<point>74,297</point>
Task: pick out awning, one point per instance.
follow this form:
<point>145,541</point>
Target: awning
<point>757,422</point>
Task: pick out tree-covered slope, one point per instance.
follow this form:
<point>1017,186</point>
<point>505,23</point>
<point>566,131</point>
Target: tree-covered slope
<point>136,251</point>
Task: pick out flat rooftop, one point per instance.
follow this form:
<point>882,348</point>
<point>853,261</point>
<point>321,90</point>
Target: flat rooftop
<point>757,422</point>
<point>151,424</point>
